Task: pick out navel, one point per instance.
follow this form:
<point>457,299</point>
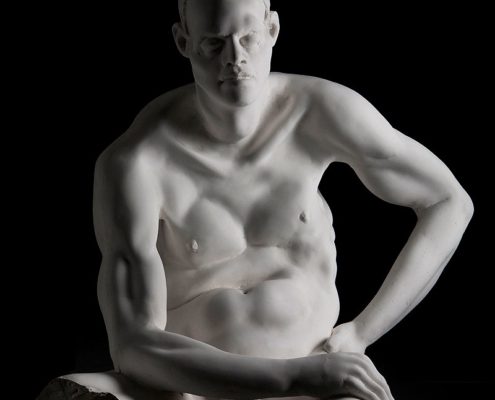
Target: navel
<point>194,246</point>
<point>244,288</point>
<point>303,217</point>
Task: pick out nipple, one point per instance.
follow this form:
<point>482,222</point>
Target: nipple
<point>194,246</point>
<point>303,217</point>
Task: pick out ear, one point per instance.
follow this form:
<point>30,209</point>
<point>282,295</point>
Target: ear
<point>274,26</point>
<point>181,39</point>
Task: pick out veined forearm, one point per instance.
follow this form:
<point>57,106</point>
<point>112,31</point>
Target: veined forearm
<point>172,362</point>
<point>419,265</point>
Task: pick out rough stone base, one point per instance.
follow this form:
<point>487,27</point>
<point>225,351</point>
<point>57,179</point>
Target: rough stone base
<point>64,389</point>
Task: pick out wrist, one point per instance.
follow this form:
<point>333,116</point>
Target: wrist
<point>303,374</point>
<point>297,373</point>
<point>362,332</point>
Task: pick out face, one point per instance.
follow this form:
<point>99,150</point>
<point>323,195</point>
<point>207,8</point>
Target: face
<point>229,45</point>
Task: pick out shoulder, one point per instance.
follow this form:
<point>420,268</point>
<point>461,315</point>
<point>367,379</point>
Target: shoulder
<point>135,149</point>
<point>312,88</point>
<point>307,87</point>
<point>125,165</point>
<point>343,121</point>
<point>121,175</point>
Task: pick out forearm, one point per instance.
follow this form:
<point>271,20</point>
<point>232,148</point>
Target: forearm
<point>142,350</point>
<point>431,245</point>
<point>171,362</point>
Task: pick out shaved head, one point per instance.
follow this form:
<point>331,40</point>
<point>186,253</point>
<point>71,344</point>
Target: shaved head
<point>183,10</point>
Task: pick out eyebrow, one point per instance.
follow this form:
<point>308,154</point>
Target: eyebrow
<point>248,27</point>
<point>218,35</point>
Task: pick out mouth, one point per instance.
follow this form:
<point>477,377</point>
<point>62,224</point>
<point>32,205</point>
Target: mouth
<point>236,78</point>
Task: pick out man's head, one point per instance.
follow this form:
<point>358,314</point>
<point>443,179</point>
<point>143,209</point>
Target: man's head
<point>229,44</point>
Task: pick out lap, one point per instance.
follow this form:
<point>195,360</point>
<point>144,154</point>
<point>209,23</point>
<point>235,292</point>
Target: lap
<point>102,386</point>
<point>112,385</point>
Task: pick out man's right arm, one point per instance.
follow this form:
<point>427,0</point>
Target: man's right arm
<point>132,292</point>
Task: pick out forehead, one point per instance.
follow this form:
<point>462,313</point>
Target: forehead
<point>224,16</point>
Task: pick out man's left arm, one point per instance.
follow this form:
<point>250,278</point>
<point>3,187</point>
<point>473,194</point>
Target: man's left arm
<point>400,171</point>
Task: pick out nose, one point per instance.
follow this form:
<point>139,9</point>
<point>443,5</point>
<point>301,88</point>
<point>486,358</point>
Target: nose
<point>233,53</point>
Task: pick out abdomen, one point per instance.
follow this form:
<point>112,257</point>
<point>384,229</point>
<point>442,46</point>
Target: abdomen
<point>286,315</point>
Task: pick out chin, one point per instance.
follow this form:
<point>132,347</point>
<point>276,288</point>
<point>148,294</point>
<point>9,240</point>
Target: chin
<point>239,101</point>
<point>239,94</point>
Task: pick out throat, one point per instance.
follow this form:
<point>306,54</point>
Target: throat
<point>231,127</point>
<point>229,124</point>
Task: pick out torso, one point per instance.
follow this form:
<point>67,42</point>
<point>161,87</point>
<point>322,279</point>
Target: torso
<point>247,243</point>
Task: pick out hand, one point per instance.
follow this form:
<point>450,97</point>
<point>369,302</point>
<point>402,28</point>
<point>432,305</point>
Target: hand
<point>345,338</point>
<point>340,374</point>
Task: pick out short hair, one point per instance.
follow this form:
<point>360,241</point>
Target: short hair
<point>183,11</point>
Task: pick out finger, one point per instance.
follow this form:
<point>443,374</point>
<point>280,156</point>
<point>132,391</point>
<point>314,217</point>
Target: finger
<point>372,372</point>
<point>379,379</point>
<point>358,388</point>
<point>381,389</point>
<point>387,389</point>
<point>366,363</point>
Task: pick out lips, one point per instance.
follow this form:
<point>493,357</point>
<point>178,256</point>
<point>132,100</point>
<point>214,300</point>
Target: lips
<point>237,77</point>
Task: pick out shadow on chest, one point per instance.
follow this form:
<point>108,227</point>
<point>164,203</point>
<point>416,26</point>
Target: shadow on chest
<point>233,214</point>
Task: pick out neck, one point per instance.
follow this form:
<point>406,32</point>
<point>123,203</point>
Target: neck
<point>230,124</point>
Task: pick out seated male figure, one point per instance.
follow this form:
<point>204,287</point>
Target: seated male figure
<point>219,263</point>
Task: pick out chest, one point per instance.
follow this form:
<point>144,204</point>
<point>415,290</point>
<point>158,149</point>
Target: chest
<point>209,220</point>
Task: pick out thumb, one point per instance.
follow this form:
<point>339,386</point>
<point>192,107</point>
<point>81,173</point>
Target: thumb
<point>329,347</point>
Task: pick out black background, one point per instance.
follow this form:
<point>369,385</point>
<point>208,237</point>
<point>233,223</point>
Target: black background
<point>86,72</point>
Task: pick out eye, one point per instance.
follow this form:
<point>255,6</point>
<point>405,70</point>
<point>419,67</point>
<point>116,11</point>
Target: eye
<point>251,40</point>
<point>211,45</point>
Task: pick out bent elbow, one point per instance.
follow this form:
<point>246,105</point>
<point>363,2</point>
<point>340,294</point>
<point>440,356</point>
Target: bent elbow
<point>116,356</point>
<point>123,348</point>
<point>464,205</point>
<point>126,359</point>
<point>469,208</point>
<point>458,206</point>
<point>118,350</point>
